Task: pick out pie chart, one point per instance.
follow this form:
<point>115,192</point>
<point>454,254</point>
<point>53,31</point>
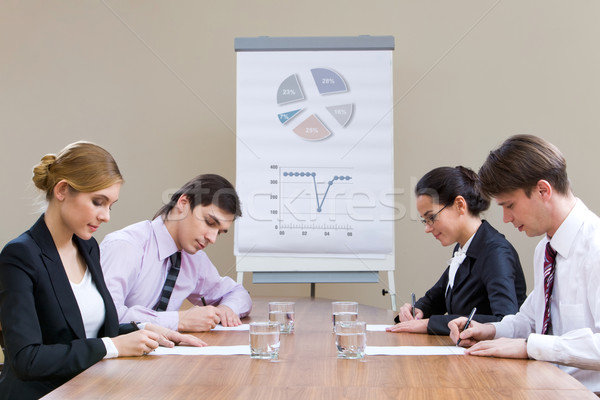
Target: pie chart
<point>291,98</point>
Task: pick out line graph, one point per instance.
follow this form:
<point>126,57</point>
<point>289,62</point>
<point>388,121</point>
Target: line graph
<point>313,175</point>
<point>311,197</point>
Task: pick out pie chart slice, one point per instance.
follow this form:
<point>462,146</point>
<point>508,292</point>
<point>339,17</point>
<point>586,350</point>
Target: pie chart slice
<point>286,116</point>
<point>312,129</point>
<point>328,81</point>
<point>341,113</point>
<point>289,90</point>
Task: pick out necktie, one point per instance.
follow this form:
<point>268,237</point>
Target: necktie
<point>167,290</point>
<point>549,268</point>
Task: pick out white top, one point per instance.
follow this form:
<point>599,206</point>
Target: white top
<point>93,312</point>
<point>456,261</point>
<point>575,301</point>
<point>90,304</point>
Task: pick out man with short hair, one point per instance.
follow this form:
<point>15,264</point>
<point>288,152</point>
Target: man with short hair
<point>151,267</point>
<point>560,319</point>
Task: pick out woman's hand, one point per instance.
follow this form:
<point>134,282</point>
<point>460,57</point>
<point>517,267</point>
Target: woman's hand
<point>136,343</point>
<point>414,326</point>
<point>169,338</point>
<point>405,313</point>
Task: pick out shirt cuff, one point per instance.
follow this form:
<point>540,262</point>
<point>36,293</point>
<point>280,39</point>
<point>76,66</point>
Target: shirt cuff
<point>499,331</point>
<point>541,347</point>
<point>168,319</point>
<point>111,349</point>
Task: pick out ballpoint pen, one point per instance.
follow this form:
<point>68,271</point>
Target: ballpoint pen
<point>413,305</point>
<point>468,322</point>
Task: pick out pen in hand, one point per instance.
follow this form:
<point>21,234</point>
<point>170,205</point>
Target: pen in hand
<point>413,305</point>
<point>468,322</point>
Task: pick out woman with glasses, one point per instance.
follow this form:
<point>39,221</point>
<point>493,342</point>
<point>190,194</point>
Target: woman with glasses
<point>484,271</point>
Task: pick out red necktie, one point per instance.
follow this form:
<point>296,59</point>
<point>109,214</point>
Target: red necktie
<point>549,268</point>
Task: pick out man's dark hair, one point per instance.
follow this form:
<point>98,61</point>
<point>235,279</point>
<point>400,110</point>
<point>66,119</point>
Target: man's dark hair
<point>205,190</point>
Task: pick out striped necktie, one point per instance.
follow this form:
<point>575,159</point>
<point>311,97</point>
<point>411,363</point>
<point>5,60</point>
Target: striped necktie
<point>167,290</point>
<point>549,268</point>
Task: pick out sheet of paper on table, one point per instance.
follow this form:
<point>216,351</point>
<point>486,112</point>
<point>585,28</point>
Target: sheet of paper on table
<point>376,327</point>
<point>414,350</point>
<point>243,349</point>
<point>242,327</point>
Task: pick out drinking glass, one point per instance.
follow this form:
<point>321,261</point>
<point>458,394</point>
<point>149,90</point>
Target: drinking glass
<point>351,339</point>
<point>282,312</point>
<point>264,340</point>
<point>344,311</point>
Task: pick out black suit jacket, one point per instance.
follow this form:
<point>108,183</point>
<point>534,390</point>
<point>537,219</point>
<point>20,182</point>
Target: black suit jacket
<point>43,330</point>
<point>490,278</point>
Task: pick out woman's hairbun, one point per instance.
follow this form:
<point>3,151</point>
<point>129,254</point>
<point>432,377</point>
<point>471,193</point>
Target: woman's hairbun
<point>41,172</point>
<point>444,184</point>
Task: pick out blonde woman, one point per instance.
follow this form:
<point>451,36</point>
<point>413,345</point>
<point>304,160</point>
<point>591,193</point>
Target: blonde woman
<point>57,315</point>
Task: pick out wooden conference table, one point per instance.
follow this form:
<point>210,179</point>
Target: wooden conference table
<point>308,368</point>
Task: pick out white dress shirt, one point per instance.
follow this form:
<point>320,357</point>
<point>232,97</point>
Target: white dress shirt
<point>574,305</point>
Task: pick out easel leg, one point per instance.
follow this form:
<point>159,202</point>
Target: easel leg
<point>392,285</point>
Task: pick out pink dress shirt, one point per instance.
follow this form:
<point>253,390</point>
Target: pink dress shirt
<point>135,261</point>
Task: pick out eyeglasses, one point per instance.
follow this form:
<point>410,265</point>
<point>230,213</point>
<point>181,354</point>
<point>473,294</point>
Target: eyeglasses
<point>430,220</point>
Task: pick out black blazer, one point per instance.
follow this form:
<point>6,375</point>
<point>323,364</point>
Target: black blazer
<point>43,330</point>
<point>490,278</point>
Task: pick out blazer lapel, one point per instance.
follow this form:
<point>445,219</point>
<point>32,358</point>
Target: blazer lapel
<point>58,277</point>
<point>464,271</point>
<point>449,301</point>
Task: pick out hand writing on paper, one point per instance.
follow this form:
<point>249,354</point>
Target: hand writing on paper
<point>405,313</point>
<point>473,334</point>
<point>198,319</point>
<point>136,343</point>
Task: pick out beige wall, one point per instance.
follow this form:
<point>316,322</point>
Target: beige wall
<point>154,82</point>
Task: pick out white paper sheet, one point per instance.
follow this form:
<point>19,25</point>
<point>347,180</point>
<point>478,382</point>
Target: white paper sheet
<point>242,349</point>
<point>414,350</point>
<point>242,327</point>
<point>377,328</point>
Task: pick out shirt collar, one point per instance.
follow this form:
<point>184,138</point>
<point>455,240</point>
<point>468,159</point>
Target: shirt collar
<point>165,243</point>
<point>564,238</point>
<point>464,249</point>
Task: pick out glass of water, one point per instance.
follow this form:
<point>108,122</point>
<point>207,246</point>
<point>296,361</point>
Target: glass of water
<point>264,340</point>
<point>351,339</point>
<point>282,312</point>
<point>343,311</point>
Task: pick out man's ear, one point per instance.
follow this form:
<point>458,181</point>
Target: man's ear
<point>183,204</point>
<point>544,189</point>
